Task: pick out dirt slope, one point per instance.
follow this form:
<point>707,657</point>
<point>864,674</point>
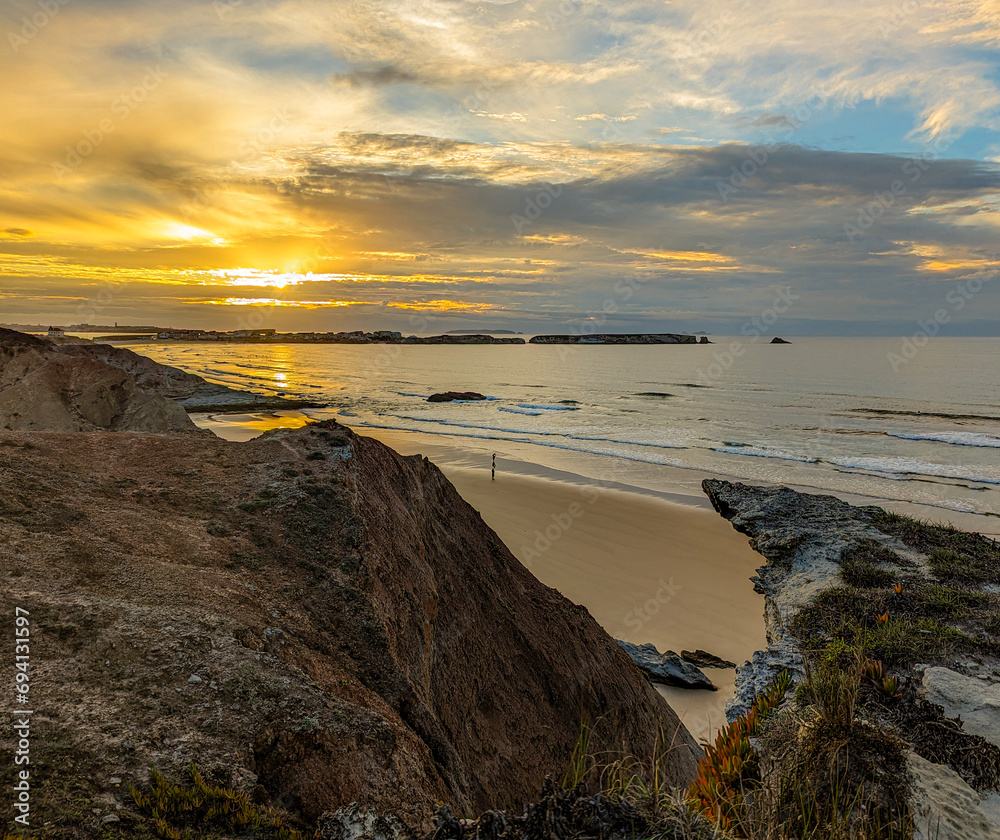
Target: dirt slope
<point>308,614</point>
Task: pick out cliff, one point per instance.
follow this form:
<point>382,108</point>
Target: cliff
<point>308,616</point>
<point>910,609</point>
<point>44,385</point>
<point>78,385</point>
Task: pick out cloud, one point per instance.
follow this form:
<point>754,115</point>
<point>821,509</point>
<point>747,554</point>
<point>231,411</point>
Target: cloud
<point>379,77</point>
<point>524,156</point>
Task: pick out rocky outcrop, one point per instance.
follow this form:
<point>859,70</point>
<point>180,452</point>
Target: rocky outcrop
<point>68,387</point>
<point>452,396</point>
<point>307,615</point>
<point>945,807</point>
<point>352,337</point>
<point>352,823</point>
<point>666,668</point>
<point>802,536</point>
<point>704,659</point>
<point>870,583</point>
<point>616,338</point>
<point>467,338</point>
<point>778,340</point>
<point>69,384</point>
<point>192,392</point>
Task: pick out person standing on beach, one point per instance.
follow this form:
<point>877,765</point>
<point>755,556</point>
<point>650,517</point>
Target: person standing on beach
<point>493,469</point>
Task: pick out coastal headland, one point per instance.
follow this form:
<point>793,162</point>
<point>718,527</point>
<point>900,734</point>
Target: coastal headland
<point>307,617</point>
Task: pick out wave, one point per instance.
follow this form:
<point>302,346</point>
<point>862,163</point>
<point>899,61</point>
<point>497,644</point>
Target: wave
<point>608,452</point>
<point>476,426</point>
<point>909,467</point>
<point>525,411</point>
<point>754,451</point>
<point>505,430</point>
<point>658,445</point>
<point>939,414</point>
<point>954,438</point>
<point>543,407</point>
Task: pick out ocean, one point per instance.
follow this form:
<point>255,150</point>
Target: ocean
<point>870,419</point>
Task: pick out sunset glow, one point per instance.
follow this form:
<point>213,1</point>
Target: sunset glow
<point>359,158</point>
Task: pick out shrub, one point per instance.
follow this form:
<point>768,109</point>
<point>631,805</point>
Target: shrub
<point>178,811</point>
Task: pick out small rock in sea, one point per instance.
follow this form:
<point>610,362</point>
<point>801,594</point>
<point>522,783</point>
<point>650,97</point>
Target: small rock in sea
<point>666,668</point>
<point>704,659</point>
<point>451,396</point>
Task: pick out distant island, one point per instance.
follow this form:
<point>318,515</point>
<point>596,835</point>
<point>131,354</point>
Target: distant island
<point>352,337</point>
<point>394,337</point>
<point>482,332</point>
<point>619,338</point>
<point>148,333</point>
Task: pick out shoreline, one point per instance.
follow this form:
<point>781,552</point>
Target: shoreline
<point>649,565</point>
<point>587,468</point>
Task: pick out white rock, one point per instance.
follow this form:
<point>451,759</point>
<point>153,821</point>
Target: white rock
<point>976,702</point>
<point>944,806</point>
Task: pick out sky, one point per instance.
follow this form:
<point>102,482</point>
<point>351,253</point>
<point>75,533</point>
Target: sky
<point>534,165</point>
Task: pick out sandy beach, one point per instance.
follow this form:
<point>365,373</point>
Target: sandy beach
<point>649,567</point>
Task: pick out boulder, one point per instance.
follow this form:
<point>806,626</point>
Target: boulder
<point>777,340</point>
<point>666,668</point>
<point>452,396</point>
<point>704,659</point>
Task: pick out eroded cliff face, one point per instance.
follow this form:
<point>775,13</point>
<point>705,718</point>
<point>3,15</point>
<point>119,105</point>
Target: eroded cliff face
<point>308,614</point>
<point>70,384</point>
<point>67,387</point>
